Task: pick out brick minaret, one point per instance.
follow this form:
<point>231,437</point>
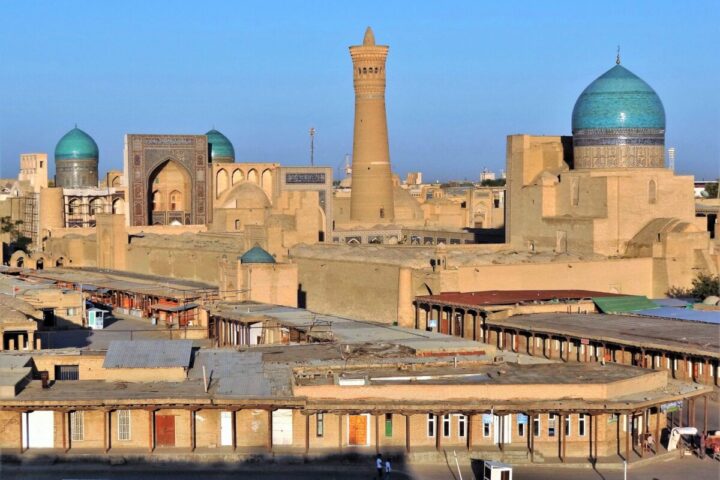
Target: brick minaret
<point>371,200</point>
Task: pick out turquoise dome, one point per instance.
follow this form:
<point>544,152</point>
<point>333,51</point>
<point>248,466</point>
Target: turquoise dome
<point>618,99</point>
<point>76,144</point>
<point>256,255</point>
<point>221,149</point>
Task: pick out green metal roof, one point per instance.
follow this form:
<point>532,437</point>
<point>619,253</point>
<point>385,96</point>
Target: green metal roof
<point>256,255</point>
<point>623,304</point>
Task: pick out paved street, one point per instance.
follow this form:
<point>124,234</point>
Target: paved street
<point>675,469</point>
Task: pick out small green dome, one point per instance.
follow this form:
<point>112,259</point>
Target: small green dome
<point>221,149</point>
<point>256,255</point>
<point>618,99</point>
<point>76,144</point>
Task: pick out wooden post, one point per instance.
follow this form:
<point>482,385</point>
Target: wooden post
<point>595,441</point>
<point>533,344</point>
<point>340,431</point>
<point>106,430</point>
<point>531,434</point>
<point>657,429</point>
<point>438,432</point>
<point>706,370</point>
<point>628,428</point>
<point>69,430</point>
<point>590,437</point>
<point>469,432</point>
<point>233,418</point>
<point>407,432</point>
<point>562,438</point>
<point>151,430</point>
<point>307,434</point>
<point>417,315</point>
<point>377,433</point>
<point>269,437</point>
<point>22,443</point>
<point>192,430</point>
<point>705,414</point>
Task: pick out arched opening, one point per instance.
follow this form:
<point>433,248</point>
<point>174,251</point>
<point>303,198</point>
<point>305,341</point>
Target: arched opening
<point>118,206</point>
<point>237,176</point>
<point>222,182</point>
<point>20,262</point>
<point>652,192</point>
<point>252,176</point>
<point>266,181</point>
<point>170,180</point>
<point>97,205</point>
<point>321,224</point>
<point>423,290</point>
<point>238,224</point>
<point>40,264</point>
<point>116,181</point>
<point>60,262</point>
<point>74,207</point>
<point>176,202</point>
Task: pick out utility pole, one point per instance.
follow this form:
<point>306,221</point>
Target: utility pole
<point>312,146</point>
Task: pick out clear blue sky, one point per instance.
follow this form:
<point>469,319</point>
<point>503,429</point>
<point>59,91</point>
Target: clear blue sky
<point>461,75</point>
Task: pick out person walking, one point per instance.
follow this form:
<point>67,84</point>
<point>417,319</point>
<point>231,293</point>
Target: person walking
<point>379,466</point>
<point>388,468</point>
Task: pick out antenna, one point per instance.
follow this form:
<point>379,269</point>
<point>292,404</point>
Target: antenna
<point>617,59</point>
<point>312,146</point>
<point>671,158</point>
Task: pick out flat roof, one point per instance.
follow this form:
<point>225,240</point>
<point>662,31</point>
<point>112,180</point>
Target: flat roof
<point>509,297</point>
<point>148,354</point>
<point>692,338</point>
<point>126,282</point>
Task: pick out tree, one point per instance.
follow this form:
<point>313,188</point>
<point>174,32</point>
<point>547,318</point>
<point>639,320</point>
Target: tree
<point>18,241</point>
<point>493,183</point>
<point>712,190</point>
<point>703,286</point>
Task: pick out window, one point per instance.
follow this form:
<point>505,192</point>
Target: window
<point>388,424</point>
<point>123,418</point>
<point>431,425</point>
<point>552,419</point>
<point>77,426</point>
<point>536,425</point>
<point>521,424</point>
<point>487,421</point>
<point>446,425</point>
<point>320,424</point>
<point>382,213</point>
<point>73,207</point>
<point>71,311</point>
<point>652,192</point>
<point>568,424</point>
<point>581,424</point>
<point>67,372</point>
<point>462,425</point>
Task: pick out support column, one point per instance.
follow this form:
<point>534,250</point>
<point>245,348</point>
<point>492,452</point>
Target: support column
<point>268,438</point>
<point>591,438</point>
<point>628,428</point>
<point>562,438</point>
<point>705,414</point>
<point>470,430</point>
<point>106,430</point>
<point>307,433</point>
<point>340,431</point>
<point>151,430</point>
<point>533,344</point>
<point>233,417</point>
<point>706,370</point>
<point>192,430</point>
<point>438,432</point>
<point>407,433</point>
<point>657,429</point>
<point>531,435</point>
<point>22,414</point>
<point>417,315</point>
<point>377,433</point>
<point>451,321</point>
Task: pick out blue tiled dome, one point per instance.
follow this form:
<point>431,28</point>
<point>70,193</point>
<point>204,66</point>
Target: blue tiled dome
<point>76,144</point>
<point>618,99</point>
<point>221,149</point>
<point>256,255</point>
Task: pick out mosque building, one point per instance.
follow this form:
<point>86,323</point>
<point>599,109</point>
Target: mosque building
<point>76,160</point>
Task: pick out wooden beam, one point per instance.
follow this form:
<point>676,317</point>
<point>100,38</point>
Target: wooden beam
<point>407,433</point>
<point>307,434</point>
<point>106,427</point>
<point>233,417</point>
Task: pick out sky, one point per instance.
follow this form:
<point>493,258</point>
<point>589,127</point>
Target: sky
<point>461,75</point>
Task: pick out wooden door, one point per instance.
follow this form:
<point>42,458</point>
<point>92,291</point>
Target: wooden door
<point>165,430</point>
<point>357,431</point>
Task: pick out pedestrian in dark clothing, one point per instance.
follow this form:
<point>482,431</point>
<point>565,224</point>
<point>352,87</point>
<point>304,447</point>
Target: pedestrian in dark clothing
<point>379,466</point>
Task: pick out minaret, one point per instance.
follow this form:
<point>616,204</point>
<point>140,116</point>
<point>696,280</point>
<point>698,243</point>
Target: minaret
<point>371,200</point>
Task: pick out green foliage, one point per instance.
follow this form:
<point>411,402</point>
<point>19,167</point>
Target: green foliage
<point>712,190</point>
<point>500,182</point>
<point>703,286</point>
<point>18,241</point>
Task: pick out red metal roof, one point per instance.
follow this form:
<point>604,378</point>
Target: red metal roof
<point>509,297</point>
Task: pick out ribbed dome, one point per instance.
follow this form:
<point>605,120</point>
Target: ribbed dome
<point>221,149</point>
<point>618,99</point>
<point>76,144</point>
<point>256,255</point>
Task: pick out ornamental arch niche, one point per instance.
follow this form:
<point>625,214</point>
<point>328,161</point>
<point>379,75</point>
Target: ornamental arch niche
<point>171,193</point>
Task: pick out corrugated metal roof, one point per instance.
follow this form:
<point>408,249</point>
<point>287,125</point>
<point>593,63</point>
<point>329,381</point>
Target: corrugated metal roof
<point>148,354</point>
<point>623,304</point>
<point>510,297</point>
<point>682,314</point>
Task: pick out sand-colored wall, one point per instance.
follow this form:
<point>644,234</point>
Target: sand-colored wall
<point>90,367</point>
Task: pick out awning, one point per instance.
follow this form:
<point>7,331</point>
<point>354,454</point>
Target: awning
<point>165,307</point>
<point>623,304</point>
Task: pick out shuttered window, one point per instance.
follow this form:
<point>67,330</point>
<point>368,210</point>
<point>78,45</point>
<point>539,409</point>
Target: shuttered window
<point>77,426</point>
<point>67,372</point>
<point>123,417</point>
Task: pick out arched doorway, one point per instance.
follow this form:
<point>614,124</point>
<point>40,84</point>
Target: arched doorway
<point>252,176</point>
<point>222,182</point>
<point>40,264</point>
<point>171,199</point>
<point>20,262</point>
<point>60,262</point>
<point>118,206</point>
